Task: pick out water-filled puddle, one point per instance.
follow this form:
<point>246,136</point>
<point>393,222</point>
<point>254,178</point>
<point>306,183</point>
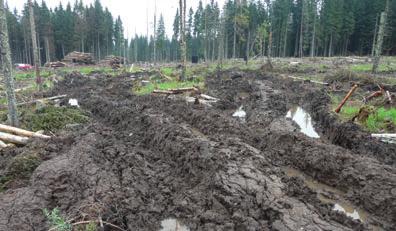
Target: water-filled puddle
<point>341,206</point>
<point>240,113</point>
<point>304,121</point>
<point>173,225</point>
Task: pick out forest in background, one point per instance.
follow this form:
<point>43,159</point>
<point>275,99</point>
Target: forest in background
<point>240,28</point>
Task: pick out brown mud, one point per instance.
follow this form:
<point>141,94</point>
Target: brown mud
<point>144,161</point>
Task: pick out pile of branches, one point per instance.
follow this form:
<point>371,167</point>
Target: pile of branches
<point>79,58</point>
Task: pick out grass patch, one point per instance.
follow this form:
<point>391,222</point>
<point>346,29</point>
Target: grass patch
<point>52,118</point>
<point>381,120</point>
<point>368,67</point>
<point>168,71</point>
<point>31,75</point>
<point>144,90</point>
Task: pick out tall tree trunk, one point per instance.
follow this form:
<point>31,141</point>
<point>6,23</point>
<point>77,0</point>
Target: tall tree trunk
<point>47,50</point>
<point>35,48</point>
<point>234,42</point>
<point>247,47</point>
<point>269,61</point>
<point>313,39</point>
<point>375,37</point>
<point>183,47</point>
<point>7,67</point>
<point>331,45</point>
<point>300,51</point>
<point>155,35</point>
<point>380,41</point>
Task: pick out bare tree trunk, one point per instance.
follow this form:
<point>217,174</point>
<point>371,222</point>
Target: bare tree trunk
<point>47,50</point>
<point>155,34</point>
<point>375,37</point>
<point>183,47</point>
<point>269,61</point>
<point>35,48</point>
<point>247,47</point>
<point>300,51</point>
<point>7,67</point>
<point>380,41</point>
<point>313,39</point>
<point>234,42</point>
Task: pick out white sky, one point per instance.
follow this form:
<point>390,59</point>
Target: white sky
<point>133,12</point>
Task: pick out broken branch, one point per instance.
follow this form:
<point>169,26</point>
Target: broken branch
<point>346,98</point>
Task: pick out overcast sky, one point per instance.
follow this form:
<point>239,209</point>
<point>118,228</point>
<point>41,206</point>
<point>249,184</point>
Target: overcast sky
<point>133,12</point>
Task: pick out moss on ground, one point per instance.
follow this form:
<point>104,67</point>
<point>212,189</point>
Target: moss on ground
<point>52,118</point>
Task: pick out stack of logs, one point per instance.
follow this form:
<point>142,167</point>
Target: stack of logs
<point>79,58</point>
<point>114,62</point>
<point>55,64</point>
<point>10,136</point>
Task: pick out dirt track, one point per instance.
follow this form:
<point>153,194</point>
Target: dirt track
<point>146,159</point>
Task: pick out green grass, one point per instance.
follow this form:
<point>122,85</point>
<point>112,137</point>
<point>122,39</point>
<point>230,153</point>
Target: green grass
<point>379,121</point>
<point>30,75</point>
<point>168,71</point>
<point>168,85</point>
<point>368,67</point>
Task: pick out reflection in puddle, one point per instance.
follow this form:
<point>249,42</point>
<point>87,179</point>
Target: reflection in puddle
<point>240,113</point>
<point>341,206</point>
<point>304,120</point>
<point>173,225</point>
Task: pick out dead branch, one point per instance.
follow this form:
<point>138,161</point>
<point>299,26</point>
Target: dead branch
<point>391,136</point>
<point>389,96</point>
<point>176,91</point>
<point>346,98</point>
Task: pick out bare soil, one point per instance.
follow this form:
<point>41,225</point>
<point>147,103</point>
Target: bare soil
<point>144,159</point>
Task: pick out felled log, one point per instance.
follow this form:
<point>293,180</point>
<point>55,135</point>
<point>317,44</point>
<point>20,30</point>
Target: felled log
<point>176,91</point>
<point>308,80</point>
<point>163,92</point>
<point>207,97</point>
<point>43,99</point>
<point>13,138</point>
<point>79,58</point>
<point>21,132</point>
<point>3,145</point>
<point>390,136</point>
<point>346,98</point>
<point>389,96</point>
<point>55,64</point>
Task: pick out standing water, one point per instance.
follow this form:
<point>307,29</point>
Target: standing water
<point>304,121</point>
<point>173,225</point>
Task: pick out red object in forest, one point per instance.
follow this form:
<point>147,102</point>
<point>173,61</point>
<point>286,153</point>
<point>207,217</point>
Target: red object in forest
<point>24,67</point>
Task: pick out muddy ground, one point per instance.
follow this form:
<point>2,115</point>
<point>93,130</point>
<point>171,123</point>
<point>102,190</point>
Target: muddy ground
<point>144,159</point>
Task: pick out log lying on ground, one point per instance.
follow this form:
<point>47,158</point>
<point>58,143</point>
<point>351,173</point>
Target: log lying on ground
<point>79,58</point>
<point>346,98</point>
<point>43,99</point>
<point>376,94</point>
<point>3,145</point>
<point>55,64</point>
<point>13,138</point>
<point>207,97</point>
<point>21,132</point>
<point>389,136</point>
<point>176,91</point>
<point>302,79</point>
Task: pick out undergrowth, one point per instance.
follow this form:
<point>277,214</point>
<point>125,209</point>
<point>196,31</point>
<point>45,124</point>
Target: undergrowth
<point>56,220</point>
<point>51,118</point>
